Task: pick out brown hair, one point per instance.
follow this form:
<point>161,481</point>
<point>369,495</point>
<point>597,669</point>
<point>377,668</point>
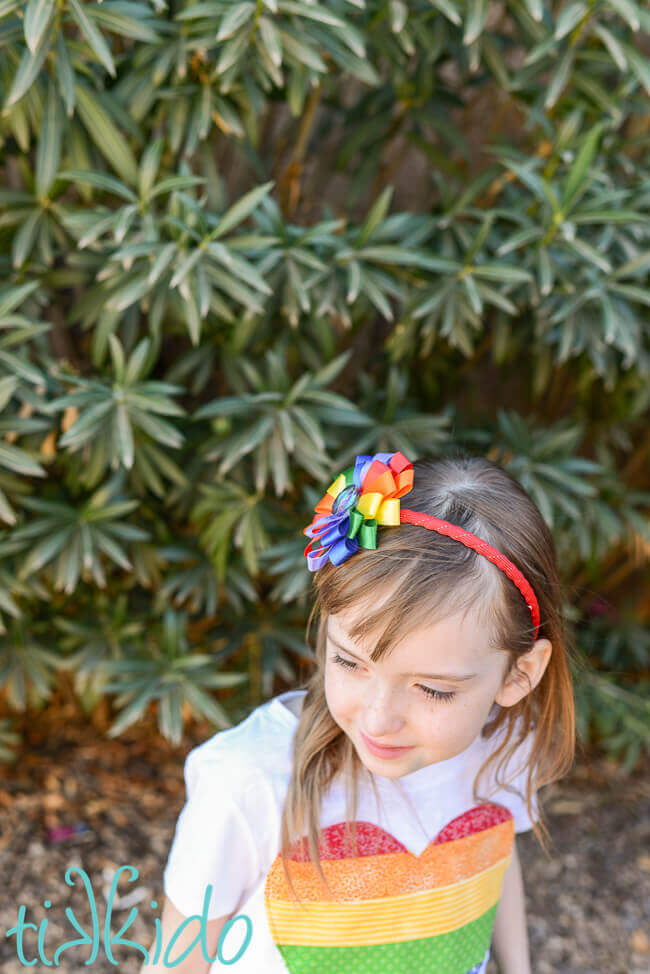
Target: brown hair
<point>429,573</point>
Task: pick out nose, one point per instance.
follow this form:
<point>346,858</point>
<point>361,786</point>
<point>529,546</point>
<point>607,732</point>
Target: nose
<point>381,716</point>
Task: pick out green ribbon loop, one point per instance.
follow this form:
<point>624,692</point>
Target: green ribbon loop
<point>368,533</point>
<point>366,529</point>
<point>356,520</point>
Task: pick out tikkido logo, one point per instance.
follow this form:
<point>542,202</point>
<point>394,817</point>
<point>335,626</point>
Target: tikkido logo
<point>110,940</point>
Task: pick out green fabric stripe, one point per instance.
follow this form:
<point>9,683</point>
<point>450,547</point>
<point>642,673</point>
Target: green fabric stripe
<point>455,952</point>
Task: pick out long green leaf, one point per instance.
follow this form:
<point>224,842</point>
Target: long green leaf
<point>639,263</point>
<point>37,17</point>
<point>535,8</point>
<point>613,46</point>
<point>105,134</point>
<point>120,23</point>
<point>503,273</point>
<point>48,152</point>
<point>241,209</point>
<point>271,38</point>
<point>628,11</point>
<point>640,65</point>
<point>29,67</point>
<point>24,239</point>
<point>64,74</point>
<point>447,8</point>
<point>13,458</point>
<point>12,297</point>
<point>101,180</point>
<point>560,77</point>
<point>238,14</point>
<point>375,216</point>
<point>576,178</point>
<point>92,35</point>
<point>475,22</point>
<point>568,17</point>
<point>302,53</point>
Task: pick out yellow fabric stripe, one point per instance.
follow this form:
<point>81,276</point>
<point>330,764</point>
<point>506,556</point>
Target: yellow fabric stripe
<point>390,919</point>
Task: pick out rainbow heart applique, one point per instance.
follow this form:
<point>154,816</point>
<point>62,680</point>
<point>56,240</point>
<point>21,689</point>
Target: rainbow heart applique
<point>393,911</point>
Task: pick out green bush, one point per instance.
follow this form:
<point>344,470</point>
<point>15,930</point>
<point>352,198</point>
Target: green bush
<point>241,243</point>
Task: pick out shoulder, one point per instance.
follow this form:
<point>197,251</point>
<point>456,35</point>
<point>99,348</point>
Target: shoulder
<point>225,836</point>
<point>233,761</point>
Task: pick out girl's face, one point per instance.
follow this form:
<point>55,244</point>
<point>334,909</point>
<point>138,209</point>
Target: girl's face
<point>431,694</point>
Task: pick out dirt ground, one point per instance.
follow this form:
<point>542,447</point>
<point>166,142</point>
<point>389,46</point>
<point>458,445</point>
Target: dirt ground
<point>588,904</point>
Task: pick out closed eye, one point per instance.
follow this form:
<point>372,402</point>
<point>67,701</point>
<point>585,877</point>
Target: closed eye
<point>429,691</point>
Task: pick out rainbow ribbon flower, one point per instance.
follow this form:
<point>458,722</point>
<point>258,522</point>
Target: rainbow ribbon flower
<point>360,498</point>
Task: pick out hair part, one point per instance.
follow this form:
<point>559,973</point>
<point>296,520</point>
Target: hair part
<point>430,576</point>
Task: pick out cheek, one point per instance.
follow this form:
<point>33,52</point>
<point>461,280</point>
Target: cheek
<point>331,688</point>
<point>340,693</point>
<point>442,724</point>
<point>459,730</point>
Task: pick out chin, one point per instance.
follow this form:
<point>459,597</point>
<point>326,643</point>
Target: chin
<point>395,773</point>
<point>388,769</point>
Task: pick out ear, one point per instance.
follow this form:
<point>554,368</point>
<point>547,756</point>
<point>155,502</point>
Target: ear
<point>532,665</point>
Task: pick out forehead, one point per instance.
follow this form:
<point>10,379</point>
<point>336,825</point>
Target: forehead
<point>461,637</point>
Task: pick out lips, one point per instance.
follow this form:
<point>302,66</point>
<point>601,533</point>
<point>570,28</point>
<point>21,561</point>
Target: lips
<point>382,750</point>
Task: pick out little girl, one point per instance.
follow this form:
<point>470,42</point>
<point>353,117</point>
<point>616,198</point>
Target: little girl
<point>366,822</point>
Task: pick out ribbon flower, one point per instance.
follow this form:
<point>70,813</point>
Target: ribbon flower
<point>360,498</point>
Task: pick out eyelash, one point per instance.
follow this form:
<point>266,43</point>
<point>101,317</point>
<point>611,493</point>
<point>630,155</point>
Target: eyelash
<point>429,691</point>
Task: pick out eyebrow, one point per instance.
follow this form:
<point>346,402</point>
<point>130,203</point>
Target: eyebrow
<point>457,678</point>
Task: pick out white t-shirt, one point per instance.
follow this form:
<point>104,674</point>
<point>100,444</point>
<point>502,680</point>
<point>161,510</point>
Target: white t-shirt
<point>421,895</point>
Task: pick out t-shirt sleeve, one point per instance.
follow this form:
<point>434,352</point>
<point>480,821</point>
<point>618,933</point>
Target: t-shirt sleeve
<point>513,794</point>
<point>213,845</point>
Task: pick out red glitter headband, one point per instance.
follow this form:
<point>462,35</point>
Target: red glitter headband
<point>483,548</point>
<point>367,495</point>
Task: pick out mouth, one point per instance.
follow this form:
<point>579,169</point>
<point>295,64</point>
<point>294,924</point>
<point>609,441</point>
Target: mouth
<point>383,751</point>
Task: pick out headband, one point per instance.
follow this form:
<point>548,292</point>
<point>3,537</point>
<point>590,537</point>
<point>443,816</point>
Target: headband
<point>367,495</point>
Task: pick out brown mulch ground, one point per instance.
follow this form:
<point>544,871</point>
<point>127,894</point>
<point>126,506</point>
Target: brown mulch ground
<point>588,905</point>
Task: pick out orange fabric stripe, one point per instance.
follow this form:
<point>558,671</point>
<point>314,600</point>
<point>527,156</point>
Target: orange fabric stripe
<point>389,920</point>
<point>393,874</point>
